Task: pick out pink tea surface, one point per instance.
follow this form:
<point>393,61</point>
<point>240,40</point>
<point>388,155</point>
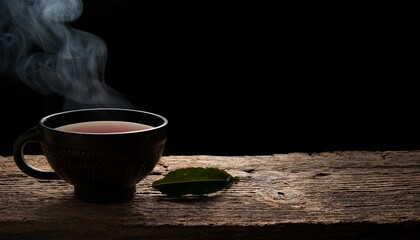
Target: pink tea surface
<point>103,127</point>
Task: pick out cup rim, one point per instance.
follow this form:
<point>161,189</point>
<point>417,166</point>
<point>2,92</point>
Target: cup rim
<point>153,128</point>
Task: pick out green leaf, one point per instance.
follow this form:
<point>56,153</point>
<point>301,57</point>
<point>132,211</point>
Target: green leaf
<point>195,181</point>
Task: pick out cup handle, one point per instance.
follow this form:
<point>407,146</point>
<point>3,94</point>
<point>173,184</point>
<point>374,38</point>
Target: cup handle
<point>30,135</point>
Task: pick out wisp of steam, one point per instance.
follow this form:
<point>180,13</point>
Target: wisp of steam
<point>39,47</point>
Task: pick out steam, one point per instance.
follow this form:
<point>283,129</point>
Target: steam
<point>38,46</point>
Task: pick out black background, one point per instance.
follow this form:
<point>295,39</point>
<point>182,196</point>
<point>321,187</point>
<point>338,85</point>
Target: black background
<point>246,79</point>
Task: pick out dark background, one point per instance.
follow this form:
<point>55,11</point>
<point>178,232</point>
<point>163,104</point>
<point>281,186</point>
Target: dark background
<point>247,79</point>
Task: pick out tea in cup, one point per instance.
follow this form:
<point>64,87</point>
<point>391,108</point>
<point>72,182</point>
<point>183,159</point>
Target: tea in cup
<point>102,152</point>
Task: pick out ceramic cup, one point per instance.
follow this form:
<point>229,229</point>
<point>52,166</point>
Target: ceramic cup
<point>102,152</point>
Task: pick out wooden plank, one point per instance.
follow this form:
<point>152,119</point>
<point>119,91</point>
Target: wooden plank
<point>294,196</point>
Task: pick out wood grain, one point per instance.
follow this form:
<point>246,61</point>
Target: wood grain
<point>345,195</point>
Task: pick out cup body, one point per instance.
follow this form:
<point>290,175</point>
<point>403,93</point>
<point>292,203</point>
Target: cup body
<point>102,167</point>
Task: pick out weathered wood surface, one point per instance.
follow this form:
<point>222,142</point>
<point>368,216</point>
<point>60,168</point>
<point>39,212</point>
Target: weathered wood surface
<point>344,195</point>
